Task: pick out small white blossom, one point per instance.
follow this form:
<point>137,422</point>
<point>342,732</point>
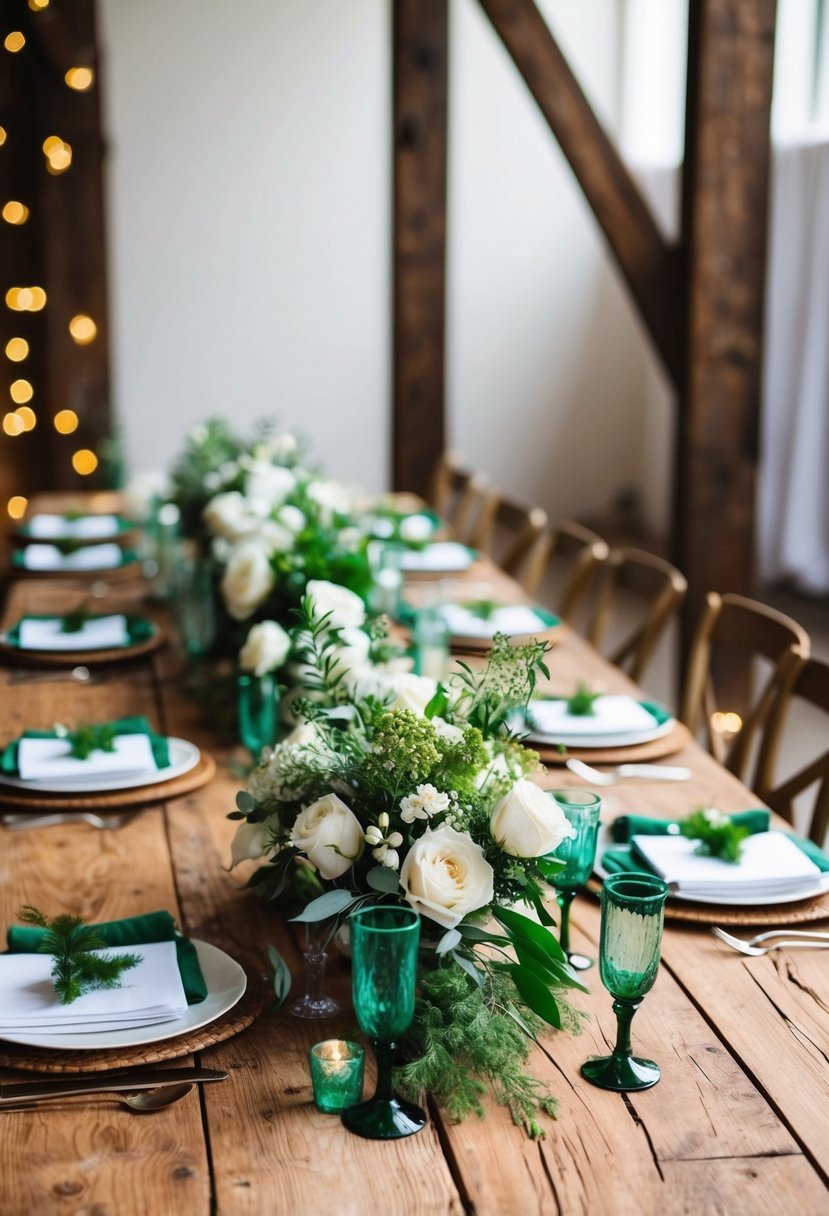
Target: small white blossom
<point>384,848</point>
<point>424,804</point>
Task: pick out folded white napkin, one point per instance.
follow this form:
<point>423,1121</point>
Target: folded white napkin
<point>510,619</point>
<point>770,865</point>
<point>99,634</point>
<point>150,992</point>
<point>49,759</point>
<point>441,557</point>
<point>611,715</point>
<point>91,557</point>
<point>86,527</point>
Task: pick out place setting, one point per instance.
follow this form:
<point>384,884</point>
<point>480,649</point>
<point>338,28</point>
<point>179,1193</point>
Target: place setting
<point>471,614</point>
<point>79,636</point>
<point>98,767</point>
<point>75,527</point>
<point>70,559</point>
<point>97,998</point>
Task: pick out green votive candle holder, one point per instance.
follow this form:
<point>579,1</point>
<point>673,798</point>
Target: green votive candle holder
<point>336,1074</point>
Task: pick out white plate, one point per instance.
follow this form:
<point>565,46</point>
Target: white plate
<point>737,901</point>
<point>226,983</point>
<point>585,742</point>
<point>183,757</point>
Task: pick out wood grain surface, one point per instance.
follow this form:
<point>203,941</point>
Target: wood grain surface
<point>737,1124</point>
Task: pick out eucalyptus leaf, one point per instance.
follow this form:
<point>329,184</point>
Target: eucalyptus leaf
<point>381,878</point>
<point>245,802</point>
<point>324,906</point>
<point>469,967</point>
<point>449,941</point>
<point>279,976</point>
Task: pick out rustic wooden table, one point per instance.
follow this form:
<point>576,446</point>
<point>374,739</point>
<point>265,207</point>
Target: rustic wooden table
<point>738,1124</point>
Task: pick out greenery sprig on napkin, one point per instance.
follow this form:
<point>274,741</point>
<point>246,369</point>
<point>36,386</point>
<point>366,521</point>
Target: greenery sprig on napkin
<point>76,969</point>
<point>582,701</point>
<point>122,726</point>
<point>717,833</point>
<point>88,739</point>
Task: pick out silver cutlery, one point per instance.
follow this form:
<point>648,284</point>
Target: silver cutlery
<point>145,1101</point>
<point>814,934</point>
<point>24,822</point>
<point>787,943</point>
<point>13,1093</point>
<point>80,675</point>
<point>644,772</point>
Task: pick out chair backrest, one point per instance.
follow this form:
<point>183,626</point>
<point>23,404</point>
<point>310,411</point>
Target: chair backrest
<point>648,586</point>
<point>808,685</point>
<point>574,554</point>
<point>741,629</point>
<point>513,536</point>
<point>458,496</point>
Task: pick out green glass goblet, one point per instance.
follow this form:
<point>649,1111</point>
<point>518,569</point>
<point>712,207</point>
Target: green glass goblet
<point>257,704</point>
<point>582,810</point>
<point>633,910</point>
<point>194,603</point>
<point>384,945</point>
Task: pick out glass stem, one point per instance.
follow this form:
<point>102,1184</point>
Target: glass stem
<point>384,1050</point>
<point>624,1011</point>
<point>314,955</point>
<point>565,898</point>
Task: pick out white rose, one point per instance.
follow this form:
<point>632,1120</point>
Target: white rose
<point>227,515</point>
<point>445,875</point>
<point>279,447</point>
<point>277,537</point>
<point>412,692</point>
<point>292,518</point>
<point>350,539</point>
<point>265,648</point>
<point>303,735</point>
<point>529,823</point>
<point>248,579</point>
<point>268,483</point>
<point>446,731</point>
<point>416,528</point>
<point>347,609</point>
<point>331,498</point>
<point>329,835</point>
<point>250,841</point>
<point>352,653</point>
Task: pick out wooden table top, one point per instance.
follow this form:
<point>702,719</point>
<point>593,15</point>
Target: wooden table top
<point>738,1124</point>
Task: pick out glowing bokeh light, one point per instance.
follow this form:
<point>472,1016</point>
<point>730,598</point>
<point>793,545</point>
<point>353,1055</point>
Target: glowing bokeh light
<point>27,416</point>
<point>80,79</point>
<point>13,424</point>
<point>21,391</point>
<point>16,506</point>
<point>84,462</point>
<point>15,212</point>
<point>83,329</point>
<point>14,41</point>
<point>17,349</point>
<point>66,421</point>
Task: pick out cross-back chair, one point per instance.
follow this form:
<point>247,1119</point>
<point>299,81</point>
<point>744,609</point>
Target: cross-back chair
<point>643,582</point>
<point>573,555</point>
<point>458,495</point>
<point>746,630</point>
<point>808,686</point>
<point>513,536</point>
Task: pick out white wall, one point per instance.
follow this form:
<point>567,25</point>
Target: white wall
<point>250,209</point>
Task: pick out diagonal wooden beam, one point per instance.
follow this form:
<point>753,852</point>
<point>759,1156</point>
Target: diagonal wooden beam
<point>649,265</point>
<point>420,40</point>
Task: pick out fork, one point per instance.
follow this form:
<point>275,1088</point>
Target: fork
<point>646,772</point>
<point>742,947</point>
<point>23,822</point>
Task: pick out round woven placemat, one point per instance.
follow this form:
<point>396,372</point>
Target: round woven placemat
<point>799,913</point>
<point>16,657</point>
<point>35,1059</point>
<point>667,745</point>
<point>116,800</point>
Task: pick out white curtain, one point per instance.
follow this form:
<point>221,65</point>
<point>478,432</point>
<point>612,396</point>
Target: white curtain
<point>793,493</point>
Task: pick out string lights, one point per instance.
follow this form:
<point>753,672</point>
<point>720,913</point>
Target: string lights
<point>32,297</point>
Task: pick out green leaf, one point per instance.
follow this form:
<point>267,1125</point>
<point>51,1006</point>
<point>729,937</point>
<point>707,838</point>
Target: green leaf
<point>438,704</point>
<point>534,896</point>
<point>552,972</point>
<point>535,993</point>
<point>449,941</point>
<point>473,933</point>
<point>279,976</point>
<point>332,903</point>
<point>381,878</point>
<point>549,867</point>
<point>245,802</point>
<point>469,967</point>
<point>522,928</point>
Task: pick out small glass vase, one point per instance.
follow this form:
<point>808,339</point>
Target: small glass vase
<point>314,1003</point>
<point>258,708</point>
<point>194,603</point>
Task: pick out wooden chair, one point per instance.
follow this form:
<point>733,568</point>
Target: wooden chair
<point>513,536</point>
<point>653,588</point>
<point>573,555</point>
<point>809,684</point>
<point>458,496</point>
<point>740,630</point>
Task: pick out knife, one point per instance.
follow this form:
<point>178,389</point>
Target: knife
<point>101,1083</point>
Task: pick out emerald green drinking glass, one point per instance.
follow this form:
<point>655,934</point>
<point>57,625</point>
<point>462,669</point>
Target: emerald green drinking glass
<point>384,945</point>
<point>258,710</point>
<point>633,911</point>
<point>582,809</point>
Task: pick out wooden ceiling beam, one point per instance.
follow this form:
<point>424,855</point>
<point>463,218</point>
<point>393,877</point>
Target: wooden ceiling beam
<point>648,263</point>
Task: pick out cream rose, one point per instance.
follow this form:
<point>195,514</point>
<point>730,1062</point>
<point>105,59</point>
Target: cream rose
<point>248,579</point>
<point>347,609</point>
<point>529,823</point>
<point>352,653</point>
<point>445,875</point>
<point>228,515</point>
<point>268,483</point>
<point>329,835</point>
<point>266,648</point>
<point>250,841</point>
<point>330,497</point>
<point>413,692</point>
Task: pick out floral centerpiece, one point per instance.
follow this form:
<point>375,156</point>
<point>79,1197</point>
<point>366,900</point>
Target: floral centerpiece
<point>389,790</point>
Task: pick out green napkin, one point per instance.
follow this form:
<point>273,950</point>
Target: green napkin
<point>139,629</point>
<point>132,931</point>
<point>124,726</point>
<point>407,615</point>
<point>657,711</point>
<point>621,861</point>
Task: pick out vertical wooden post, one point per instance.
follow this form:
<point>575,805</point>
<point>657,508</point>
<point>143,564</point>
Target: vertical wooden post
<point>420,40</point>
<point>725,205</point>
